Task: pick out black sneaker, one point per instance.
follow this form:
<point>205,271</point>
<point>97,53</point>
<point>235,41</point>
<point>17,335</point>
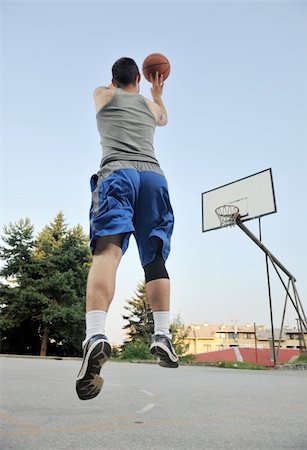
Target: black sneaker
<point>161,346</point>
<point>96,352</point>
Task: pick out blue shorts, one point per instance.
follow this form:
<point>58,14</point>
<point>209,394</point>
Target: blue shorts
<point>134,202</point>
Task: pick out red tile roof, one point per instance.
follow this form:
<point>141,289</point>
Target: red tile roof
<point>248,355</point>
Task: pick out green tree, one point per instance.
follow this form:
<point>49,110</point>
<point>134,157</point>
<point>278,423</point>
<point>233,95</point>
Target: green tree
<point>17,332</point>
<point>140,326</point>
<point>179,334</point>
<point>17,253</point>
<point>48,290</point>
<point>51,236</point>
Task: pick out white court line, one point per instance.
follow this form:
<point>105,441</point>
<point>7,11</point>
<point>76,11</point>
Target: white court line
<point>147,393</point>
<point>146,408</point>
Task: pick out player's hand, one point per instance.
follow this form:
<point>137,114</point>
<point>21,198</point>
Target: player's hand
<point>157,85</point>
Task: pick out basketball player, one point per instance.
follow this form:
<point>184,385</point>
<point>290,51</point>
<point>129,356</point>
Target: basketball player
<point>129,196</point>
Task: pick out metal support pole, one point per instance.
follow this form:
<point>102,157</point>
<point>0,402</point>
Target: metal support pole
<point>282,321</point>
<point>271,309</point>
<point>299,302</point>
<point>260,231</point>
<point>256,349</point>
<point>299,334</point>
<point>275,262</point>
<point>269,291</point>
<point>264,249</point>
<point>293,302</point>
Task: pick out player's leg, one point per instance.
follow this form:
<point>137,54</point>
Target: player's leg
<point>99,295</point>
<point>153,228</point>
<point>111,219</point>
<point>101,277</point>
<point>158,294</point>
<point>158,284</point>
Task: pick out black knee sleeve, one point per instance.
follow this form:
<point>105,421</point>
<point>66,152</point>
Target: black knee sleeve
<point>155,270</point>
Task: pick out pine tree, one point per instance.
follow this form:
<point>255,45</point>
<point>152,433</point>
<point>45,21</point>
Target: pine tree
<point>18,251</point>
<point>16,328</point>
<point>140,326</point>
<point>47,296</point>
<point>51,236</point>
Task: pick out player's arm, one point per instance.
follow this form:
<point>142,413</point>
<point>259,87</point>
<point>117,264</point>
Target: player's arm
<point>156,92</point>
<point>102,95</point>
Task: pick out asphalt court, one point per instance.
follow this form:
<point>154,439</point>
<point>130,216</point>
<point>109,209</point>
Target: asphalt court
<point>143,406</point>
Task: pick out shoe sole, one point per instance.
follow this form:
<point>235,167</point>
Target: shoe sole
<point>89,382</point>
<point>165,357</point>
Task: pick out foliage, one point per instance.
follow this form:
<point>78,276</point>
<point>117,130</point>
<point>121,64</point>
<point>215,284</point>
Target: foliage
<point>140,326</point>
<point>43,288</point>
<point>18,251</point>
<point>187,359</point>
<point>136,350</point>
<point>301,359</point>
<point>179,334</point>
<point>230,365</point>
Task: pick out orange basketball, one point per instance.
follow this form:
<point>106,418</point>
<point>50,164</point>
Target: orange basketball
<point>156,62</point>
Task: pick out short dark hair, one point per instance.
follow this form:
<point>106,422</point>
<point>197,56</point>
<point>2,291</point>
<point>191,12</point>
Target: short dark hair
<point>125,71</point>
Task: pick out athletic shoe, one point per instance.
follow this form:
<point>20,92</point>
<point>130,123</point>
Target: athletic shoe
<point>96,352</point>
<point>161,346</point>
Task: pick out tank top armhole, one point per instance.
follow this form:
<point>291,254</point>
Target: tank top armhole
<point>152,114</point>
<point>107,104</point>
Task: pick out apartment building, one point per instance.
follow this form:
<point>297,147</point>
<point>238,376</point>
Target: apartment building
<point>210,337</point>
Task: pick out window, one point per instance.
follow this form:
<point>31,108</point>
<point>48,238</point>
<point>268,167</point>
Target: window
<point>247,335</point>
<point>293,336</point>
<point>231,335</point>
<point>220,335</point>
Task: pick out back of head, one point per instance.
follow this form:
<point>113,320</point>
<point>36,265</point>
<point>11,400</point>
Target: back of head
<point>125,72</point>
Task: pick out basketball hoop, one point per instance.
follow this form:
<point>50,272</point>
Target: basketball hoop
<point>228,215</point>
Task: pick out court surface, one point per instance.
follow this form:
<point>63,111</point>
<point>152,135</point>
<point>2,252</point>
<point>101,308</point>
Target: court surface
<point>143,406</point>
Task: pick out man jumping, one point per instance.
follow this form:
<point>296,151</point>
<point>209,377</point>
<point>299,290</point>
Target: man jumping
<point>129,196</point>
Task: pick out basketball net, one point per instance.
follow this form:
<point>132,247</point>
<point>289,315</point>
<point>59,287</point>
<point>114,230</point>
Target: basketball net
<point>227,215</point>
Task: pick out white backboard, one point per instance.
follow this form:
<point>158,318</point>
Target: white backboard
<point>253,195</point>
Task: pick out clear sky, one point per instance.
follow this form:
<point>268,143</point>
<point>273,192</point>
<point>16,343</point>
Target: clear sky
<point>236,99</point>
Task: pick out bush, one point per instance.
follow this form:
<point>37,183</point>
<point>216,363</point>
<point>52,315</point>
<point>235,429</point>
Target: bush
<point>187,359</point>
<point>233,365</point>
<point>136,350</point>
<point>301,359</point>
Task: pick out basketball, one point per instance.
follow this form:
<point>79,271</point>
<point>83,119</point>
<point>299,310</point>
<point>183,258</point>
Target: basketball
<point>156,62</point>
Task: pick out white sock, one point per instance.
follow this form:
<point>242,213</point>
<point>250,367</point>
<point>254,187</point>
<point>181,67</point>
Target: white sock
<point>162,321</point>
<point>95,323</point>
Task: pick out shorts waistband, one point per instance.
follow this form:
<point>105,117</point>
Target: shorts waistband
<point>140,166</point>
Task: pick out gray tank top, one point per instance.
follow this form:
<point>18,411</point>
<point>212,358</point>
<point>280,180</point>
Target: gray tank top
<point>126,126</point>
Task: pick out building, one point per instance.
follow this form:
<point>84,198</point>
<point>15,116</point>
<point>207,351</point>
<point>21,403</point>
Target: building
<point>203,338</point>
